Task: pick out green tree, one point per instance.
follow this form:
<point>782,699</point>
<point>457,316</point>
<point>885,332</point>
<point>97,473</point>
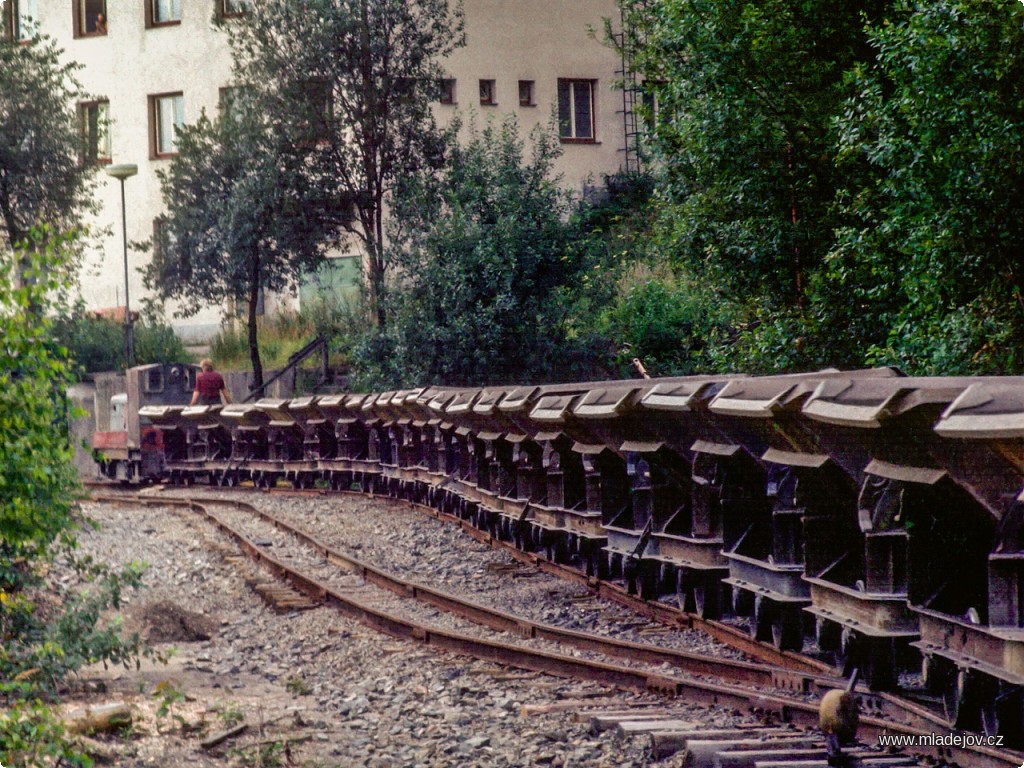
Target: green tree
<point>485,256</point>
<point>348,85</point>
<point>96,344</point>
<point>41,177</point>
<point>39,487</point>
<point>240,219</point>
<point>742,101</point>
<point>933,246</point>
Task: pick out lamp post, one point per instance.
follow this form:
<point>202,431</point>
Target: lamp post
<point>122,172</point>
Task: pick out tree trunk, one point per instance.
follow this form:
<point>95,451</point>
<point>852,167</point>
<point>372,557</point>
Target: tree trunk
<point>254,347</point>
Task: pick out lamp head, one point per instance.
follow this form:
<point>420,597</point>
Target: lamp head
<point>122,171</point>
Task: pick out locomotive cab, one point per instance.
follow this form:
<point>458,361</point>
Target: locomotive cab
<point>129,446</point>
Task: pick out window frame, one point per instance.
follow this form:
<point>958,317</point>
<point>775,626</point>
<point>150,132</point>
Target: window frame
<point>232,98</point>
<point>488,93</point>
<point>573,137</point>
<point>102,136</point>
<point>10,21</point>
<point>224,13</point>
<point>154,123</point>
<point>78,12</point>
<point>531,95</point>
<point>151,387</point>
<point>318,130</point>
<point>446,86</point>
<point>162,236</point>
<point>151,20</point>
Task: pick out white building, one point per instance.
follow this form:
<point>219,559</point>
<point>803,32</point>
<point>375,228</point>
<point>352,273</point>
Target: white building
<point>153,64</point>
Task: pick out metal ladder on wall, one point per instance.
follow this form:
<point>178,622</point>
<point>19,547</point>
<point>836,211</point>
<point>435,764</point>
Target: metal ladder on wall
<point>631,92</point>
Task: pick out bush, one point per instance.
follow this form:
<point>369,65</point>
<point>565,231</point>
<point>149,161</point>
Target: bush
<point>485,255</point>
<point>667,320</point>
<point>40,649</point>
<point>97,344</point>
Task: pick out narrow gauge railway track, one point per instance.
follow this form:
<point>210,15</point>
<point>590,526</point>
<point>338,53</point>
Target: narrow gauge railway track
<point>805,671</point>
<point>900,717</point>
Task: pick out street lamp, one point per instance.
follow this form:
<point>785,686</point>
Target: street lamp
<point>122,172</point>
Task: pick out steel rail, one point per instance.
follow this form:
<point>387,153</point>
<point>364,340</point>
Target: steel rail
<point>797,711</point>
<point>655,611</point>
<point>785,671</point>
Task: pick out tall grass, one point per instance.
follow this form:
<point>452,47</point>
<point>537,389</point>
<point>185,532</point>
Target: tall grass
<point>280,336</point>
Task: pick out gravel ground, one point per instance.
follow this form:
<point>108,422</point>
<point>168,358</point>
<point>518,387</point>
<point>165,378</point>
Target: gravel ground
<point>290,551</point>
<point>412,545</point>
<point>318,689</point>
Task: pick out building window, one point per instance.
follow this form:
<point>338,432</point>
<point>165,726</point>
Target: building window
<point>94,130</point>
<point>235,101</point>
<point>576,110</point>
<point>154,380</point>
<point>650,103</point>
<point>163,12</point>
<point>448,90</point>
<point>526,94</point>
<point>487,93</point>
<point>90,17</point>
<point>229,8</point>
<point>315,99</point>
<point>166,116</point>
<point>164,241</point>
<point>20,19</point>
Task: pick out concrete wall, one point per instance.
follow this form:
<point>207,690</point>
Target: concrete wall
<point>83,396</point>
<point>542,41</point>
<point>126,66</point>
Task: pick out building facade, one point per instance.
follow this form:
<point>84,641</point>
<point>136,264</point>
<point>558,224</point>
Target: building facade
<point>150,65</point>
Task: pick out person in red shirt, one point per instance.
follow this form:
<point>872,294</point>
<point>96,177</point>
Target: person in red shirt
<point>209,386</point>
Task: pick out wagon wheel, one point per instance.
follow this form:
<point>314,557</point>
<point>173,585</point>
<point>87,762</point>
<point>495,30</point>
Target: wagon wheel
<point>742,602</point>
<point>787,628</point>
<point>707,599</point>
<point>878,661</point>
<point>647,580</point>
<point>630,573</point>
<point>760,627</point>
<point>826,634</point>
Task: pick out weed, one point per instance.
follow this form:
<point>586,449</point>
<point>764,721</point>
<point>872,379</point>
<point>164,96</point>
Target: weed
<point>270,754</point>
<point>230,715</point>
<point>169,694</point>
<point>297,686</point>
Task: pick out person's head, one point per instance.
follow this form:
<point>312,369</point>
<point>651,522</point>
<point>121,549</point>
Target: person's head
<point>101,20</point>
<point>206,364</point>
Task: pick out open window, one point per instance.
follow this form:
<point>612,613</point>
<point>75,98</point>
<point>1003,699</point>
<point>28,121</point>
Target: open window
<point>316,109</point>
<point>90,18</point>
<point>94,131</point>
<point>164,241</point>
<point>154,381</point>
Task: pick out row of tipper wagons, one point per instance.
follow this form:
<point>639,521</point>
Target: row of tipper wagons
<point>865,515</point>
